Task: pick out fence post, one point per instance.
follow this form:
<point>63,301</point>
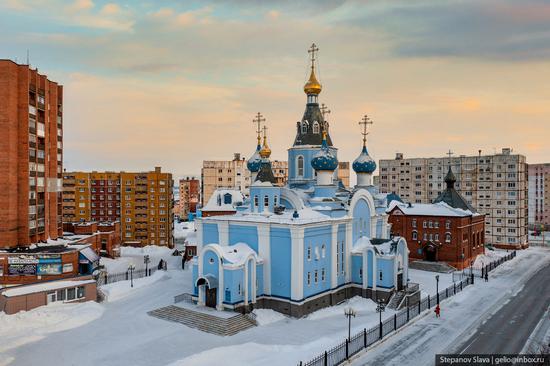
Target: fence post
<point>454,288</point>
<point>429,303</point>
<point>347,349</point>
<point>365,337</point>
<point>407,313</point>
<point>419,306</point>
<point>126,275</point>
<point>394,321</point>
<point>447,292</point>
<point>326,359</point>
<point>461,285</point>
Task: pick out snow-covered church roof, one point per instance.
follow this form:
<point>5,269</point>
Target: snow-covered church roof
<point>430,209</point>
<point>224,199</point>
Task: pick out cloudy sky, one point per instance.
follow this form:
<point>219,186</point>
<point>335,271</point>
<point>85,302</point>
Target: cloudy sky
<point>172,83</point>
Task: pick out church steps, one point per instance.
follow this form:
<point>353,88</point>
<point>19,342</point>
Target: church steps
<point>204,322</point>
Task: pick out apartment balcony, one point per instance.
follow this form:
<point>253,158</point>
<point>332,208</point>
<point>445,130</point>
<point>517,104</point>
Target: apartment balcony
<point>41,106</point>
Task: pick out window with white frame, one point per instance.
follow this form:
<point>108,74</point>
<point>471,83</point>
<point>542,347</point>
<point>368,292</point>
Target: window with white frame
<point>309,253</point>
<point>300,165</point>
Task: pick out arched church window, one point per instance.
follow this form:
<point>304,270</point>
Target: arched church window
<point>300,165</point>
<point>315,127</point>
<point>227,198</point>
<point>414,235</point>
<point>308,253</point>
<point>304,127</point>
<point>266,201</point>
<point>447,237</point>
<point>323,250</point>
<point>255,201</point>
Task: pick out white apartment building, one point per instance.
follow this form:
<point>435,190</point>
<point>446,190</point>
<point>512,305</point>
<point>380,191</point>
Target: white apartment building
<point>495,185</point>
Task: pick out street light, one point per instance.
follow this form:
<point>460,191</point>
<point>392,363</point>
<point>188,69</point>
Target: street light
<point>146,260</point>
<point>437,287</point>
<point>131,268</point>
<point>349,312</point>
<point>472,271</point>
<point>380,308</point>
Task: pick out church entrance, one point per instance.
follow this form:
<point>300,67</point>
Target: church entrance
<point>400,281</point>
<point>210,300</point>
<point>430,253</point>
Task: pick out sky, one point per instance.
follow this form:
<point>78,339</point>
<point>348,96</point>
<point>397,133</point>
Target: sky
<point>172,83</point>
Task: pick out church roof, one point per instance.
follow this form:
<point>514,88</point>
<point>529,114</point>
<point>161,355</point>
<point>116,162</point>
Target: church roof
<point>440,209</point>
<point>451,197</point>
<point>312,114</point>
<point>265,174</point>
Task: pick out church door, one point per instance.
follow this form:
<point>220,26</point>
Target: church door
<point>399,281</point>
<point>210,297</point>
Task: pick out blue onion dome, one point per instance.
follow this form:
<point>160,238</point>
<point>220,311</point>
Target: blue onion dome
<point>253,164</point>
<point>324,159</point>
<point>364,163</point>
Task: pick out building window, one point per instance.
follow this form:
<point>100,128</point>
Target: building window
<point>315,127</point>
<point>316,276</point>
<point>414,223</point>
<point>323,250</point>
<point>447,237</point>
<point>255,201</point>
<point>300,165</point>
<point>448,224</point>
<point>309,278</point>
<point>436,237</point>
<point>309,253</point>
<point>380,275</point>
<point>323,277</point>
<point>424,224</point>
<point>266,201</point>
<point>414,235</point>
<point>304,127</point>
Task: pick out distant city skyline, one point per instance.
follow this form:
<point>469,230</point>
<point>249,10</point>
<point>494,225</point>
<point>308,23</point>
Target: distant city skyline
<point>172,84</point>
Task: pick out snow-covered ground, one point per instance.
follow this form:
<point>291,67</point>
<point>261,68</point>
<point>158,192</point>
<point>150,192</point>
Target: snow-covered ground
<point>417,343</point>
<point>123,334</point>
<point>135,256</point>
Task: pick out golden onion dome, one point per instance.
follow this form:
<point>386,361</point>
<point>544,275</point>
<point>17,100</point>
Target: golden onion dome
<point>312,86</point>
<point>265,151</point>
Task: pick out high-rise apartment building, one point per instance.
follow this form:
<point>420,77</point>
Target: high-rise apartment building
<point>539,194</point>
<point>343,172</point>
<point>189,194</point>
<point>31,150</point>
<point>495,185</point>
<point>224,174</point>
<point>142,202</point>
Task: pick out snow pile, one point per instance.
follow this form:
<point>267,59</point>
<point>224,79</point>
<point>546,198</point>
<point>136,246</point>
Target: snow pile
<point>30,326</point>
<point>183,229</point>
<point>361,306</point>
<point>488,257</point>
<point>267,316</point>
<point>119,290</point>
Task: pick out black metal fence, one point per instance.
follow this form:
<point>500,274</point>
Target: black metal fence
<point>480,272</point>
<point>367,337</point>
<point>105,278</point>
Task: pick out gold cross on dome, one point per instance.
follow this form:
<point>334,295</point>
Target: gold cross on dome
<point>324,110</point>
<point>312,51</point>
<point>265,131</point>
<point>364,122</point>
<point>258,120</point>
<point>450,153</point>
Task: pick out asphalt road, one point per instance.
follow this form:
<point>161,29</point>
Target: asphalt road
<point>509,328</point>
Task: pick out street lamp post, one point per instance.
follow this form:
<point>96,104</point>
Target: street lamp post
<point>131,268</point>
<point>380,308</point>
<point>349,313</point>
<point>472,271</point>
<point>146,260</point>
<point>437,287</point>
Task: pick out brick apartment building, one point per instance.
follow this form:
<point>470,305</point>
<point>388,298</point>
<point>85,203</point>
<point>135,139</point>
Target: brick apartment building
<point>141,201</point>
<point>31,150</point>
<point>448,230</point>
<point>189,196</point>
<point>104,237</point>
<point>495,185</point>
<point>539,195</point>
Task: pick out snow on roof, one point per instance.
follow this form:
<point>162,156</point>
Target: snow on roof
<point>217,200</point>
<point>236,255</point>
<point>46,286</point>
<point>430,209</point>
<point>305,216</point>
<point>384,248</point>
<point>90,254</point>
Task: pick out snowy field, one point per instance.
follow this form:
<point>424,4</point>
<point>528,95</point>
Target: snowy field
<point>121,333</point>
<point>135,256</point>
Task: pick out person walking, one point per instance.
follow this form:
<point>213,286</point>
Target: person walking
<point>437,311</point>
<point>486,276</point>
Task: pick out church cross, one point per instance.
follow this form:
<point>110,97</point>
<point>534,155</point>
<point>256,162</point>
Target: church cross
<point>450,153</point>
<point>258,120</point>
<point>365,122</point>
<point>265,131</point>
<point>312,51</point>
<point>324,110</point>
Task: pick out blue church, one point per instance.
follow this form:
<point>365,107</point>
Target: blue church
<point>310,244</point>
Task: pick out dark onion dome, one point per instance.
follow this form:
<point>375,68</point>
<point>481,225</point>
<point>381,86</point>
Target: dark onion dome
<point>324,159</point>
<point>253,164</point>
<point>364,163</point>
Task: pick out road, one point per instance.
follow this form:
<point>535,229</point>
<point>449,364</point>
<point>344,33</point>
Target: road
<point>506,309</point>
<point>508,329</point>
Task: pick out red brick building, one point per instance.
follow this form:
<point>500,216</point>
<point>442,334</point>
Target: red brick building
<point>189,196</point>
<point>31,148</point>
<point>448,230</point>
<point>104,237</point>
